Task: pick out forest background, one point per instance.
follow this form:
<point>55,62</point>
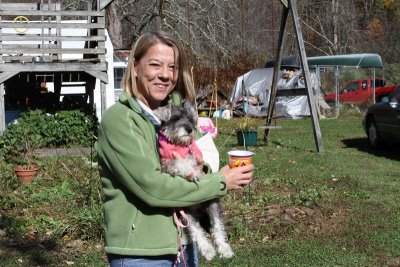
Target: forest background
<point>226,38</point>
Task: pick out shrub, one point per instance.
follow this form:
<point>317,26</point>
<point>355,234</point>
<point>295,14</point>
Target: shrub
<point>247,123</point>
<point>36,129</point>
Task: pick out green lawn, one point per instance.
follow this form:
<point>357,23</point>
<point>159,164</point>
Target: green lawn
<point>304,208</point>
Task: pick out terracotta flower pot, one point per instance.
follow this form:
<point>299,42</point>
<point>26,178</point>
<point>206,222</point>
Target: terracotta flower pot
<point>26,173</point>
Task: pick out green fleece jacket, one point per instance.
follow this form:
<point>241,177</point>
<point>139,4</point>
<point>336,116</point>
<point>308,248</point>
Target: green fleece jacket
<point>139,198</point>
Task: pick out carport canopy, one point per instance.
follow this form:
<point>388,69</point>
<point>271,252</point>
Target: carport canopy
<point>338,62</point>
<point>352,60</point>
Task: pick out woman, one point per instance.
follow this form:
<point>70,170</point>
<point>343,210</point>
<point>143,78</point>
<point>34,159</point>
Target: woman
<point>139,198</point>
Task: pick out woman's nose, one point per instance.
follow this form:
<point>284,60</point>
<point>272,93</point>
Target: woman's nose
<point>164,73</point>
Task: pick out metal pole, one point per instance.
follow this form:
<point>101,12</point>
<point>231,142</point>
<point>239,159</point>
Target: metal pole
<point>337,75</point>
<point>373,86</point>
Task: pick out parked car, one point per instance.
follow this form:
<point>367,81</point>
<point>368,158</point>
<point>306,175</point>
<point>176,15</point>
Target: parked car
<point>361,92</point>
<point>382,120</point>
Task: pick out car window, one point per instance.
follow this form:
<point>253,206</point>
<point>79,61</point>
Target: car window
<point>395,95</point>
<point>395,91</point>
<point>352,87</point>
<point>380,83</point>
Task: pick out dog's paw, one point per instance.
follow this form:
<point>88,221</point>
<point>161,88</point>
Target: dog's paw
<point>225,251</point>
<point>208,252</point>
<point>209,255</point>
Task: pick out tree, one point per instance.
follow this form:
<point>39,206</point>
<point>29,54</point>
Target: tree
<point>218,33</point>
<point>126,20</point>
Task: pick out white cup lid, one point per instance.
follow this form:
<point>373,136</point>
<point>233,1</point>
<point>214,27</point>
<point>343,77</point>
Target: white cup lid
<point>240,153</point>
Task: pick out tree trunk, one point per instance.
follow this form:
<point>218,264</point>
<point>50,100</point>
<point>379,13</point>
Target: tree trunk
<point>114,26</point>
<point>335,15</point>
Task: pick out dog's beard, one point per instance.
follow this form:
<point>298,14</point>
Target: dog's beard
<point>179,136</point>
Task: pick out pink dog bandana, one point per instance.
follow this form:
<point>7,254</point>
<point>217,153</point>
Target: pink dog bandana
<point>166,148</point>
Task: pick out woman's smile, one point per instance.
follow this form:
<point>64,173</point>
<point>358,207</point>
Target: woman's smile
<point>156,74</point>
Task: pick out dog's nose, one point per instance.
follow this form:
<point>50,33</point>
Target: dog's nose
<point>188,129</point>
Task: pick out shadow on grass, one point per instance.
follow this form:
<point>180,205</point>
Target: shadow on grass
<point>387,151</point>
<point>231,136</point>
<point>37,252</point>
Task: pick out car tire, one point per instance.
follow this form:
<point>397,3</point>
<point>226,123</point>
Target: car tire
<point>373,134</point>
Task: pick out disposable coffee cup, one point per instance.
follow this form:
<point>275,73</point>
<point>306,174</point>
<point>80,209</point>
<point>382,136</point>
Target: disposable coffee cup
<point>238,158</point>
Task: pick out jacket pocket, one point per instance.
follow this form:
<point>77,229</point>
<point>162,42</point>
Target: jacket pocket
<point>135,221</point>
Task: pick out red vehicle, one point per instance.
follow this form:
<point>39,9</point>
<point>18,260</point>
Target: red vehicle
<point>361,92</point>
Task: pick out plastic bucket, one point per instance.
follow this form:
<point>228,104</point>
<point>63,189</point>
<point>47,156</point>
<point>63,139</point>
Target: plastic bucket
<point>247,138</point>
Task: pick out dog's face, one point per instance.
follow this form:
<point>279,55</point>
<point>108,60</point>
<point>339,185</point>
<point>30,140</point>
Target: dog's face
<point>178,124</point>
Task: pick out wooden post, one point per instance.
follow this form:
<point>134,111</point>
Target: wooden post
<point>103,97</point>
<point>290,5</point>
<point>306,72</point>
<point>277,66</point>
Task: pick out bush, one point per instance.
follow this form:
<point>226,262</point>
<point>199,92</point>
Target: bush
<point>36,129</point>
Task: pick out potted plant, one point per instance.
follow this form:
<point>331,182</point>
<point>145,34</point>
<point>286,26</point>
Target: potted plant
<point>25,173</point>
<point>17,144</point>
<point>26,168</point>
<point>246,131</point>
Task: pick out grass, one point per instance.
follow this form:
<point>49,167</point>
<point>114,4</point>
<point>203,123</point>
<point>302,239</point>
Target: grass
<point>339,208</point>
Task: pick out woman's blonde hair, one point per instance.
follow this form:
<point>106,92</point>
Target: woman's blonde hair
<point>184,85</point>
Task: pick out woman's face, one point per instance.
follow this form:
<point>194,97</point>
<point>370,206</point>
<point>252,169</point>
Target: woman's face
<point>155,74</point>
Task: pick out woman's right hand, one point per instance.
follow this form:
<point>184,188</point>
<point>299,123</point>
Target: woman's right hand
<point>237,178</point>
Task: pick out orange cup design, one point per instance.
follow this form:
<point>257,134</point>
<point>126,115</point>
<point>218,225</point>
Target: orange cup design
<point>239,158</point>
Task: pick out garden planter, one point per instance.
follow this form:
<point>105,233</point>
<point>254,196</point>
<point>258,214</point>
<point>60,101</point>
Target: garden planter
<point>247,138</point>
<point>26,173</point>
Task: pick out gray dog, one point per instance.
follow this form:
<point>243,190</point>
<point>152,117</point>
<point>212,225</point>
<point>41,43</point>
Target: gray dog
<point>177,133</point>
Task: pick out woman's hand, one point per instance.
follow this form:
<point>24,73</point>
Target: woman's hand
<point>237,178</point>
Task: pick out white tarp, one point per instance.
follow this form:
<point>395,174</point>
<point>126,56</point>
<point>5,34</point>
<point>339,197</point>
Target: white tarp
<point>251,92</point>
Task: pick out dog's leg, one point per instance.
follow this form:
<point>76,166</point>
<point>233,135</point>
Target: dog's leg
<point>185,167</point>
<point>198,236</point>
<point>218,230</point>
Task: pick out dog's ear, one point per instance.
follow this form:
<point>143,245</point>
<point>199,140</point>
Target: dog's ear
<point>163,113</point>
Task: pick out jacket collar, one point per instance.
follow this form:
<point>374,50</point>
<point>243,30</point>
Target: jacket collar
<point>129,101</point>
<point>125,99</point>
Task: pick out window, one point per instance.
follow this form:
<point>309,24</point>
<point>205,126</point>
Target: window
<point>352,87</point>
<point>396,95</point>
<point>118,75</point>
<point>379,83</point>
